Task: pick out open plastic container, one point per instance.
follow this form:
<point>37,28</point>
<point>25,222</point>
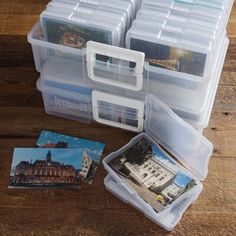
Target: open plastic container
<point>79,68</point>
<point>169,220</point>
<point>162,126</point>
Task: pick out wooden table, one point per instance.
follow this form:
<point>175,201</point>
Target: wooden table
<point>93,210</point>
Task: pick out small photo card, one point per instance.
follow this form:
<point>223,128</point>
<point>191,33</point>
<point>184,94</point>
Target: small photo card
<point>74,35</point>
<point>50,139</point>
<point>152,173</point>
<point>52,167</point>
<point>171,58</point>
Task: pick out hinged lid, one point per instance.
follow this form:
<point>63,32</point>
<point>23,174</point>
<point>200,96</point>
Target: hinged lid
<point>179,138</point>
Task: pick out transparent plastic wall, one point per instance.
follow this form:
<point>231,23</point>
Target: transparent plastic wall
<point>188,97</point>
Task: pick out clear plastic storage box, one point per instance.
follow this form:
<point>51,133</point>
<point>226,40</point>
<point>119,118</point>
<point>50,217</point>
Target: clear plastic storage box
<point>168,220</point>
<point>119,87</point>
<point>179,27</point>
<point>190,98</point>
<point>162,126</point>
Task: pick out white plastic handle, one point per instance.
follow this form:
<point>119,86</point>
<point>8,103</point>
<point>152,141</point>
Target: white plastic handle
<point>94,48</point>
<point>120,101</point>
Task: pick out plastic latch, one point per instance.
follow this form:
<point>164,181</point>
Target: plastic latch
<point>94,48</point>
<point>118,111</point>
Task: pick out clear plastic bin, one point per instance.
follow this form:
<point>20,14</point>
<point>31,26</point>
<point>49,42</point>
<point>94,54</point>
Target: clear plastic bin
<point>180,31</point>
<point>188,97</point>
<point>162,126</point>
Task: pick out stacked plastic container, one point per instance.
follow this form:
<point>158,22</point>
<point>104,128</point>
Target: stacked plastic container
<point>192,34</point>
<point>196,28</point>
<point>173,60</point>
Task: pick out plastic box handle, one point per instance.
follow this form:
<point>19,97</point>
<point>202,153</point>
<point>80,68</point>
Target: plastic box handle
<point>94,48</point>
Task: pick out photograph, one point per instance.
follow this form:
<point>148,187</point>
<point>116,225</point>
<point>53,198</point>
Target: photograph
<point>170,58</point>
<point>51,167</point>
<point>75,108</point>
<point>75,35</point>
<point>118,113</point>
<point>51,139</point>
<point>150,171</point>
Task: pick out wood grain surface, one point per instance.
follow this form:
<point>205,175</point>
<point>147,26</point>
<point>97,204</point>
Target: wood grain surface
<point>93,210</point>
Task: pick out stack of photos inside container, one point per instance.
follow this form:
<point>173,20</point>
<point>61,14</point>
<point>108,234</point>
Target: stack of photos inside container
<point>74,23</point>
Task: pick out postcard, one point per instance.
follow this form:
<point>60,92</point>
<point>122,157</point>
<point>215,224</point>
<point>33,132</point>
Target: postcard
<point>171,58</point>
<point>94,150</point>
<point>52,167</point>
<point>147,169</point>
<point>50,139</point>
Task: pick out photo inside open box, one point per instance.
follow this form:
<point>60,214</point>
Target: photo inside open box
<point>153,174</point>
<point>168,220</point>
<point>173,134</point>
<point>166,135</point>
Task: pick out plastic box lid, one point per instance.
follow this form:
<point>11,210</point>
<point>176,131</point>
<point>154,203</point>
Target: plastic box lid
<point>178,137</point>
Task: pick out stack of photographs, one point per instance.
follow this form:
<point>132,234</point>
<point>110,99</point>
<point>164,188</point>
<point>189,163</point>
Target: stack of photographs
<point>158,172</point>
<point>74,23</point>
<point>59,161</point>
<point>181,36</point>
<point>144,175</point>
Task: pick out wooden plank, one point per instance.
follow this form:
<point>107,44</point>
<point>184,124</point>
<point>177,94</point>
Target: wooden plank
<point>29,7</point>
<point>225,98</point>
<point>17,24</point>
<point>231,29</point>
<point>109,222</point>
<point>18,88</point>
<point>15,52</point>
<point>220,186</point>
<point>14,123</point>
<point>221,131</point>
<point>228,77</point>
<point>93,210</point>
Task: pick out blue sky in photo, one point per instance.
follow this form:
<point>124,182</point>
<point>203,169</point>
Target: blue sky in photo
<point>160,154</point>
<point>181,179</point>
<point>95,148</point>
<point>67,156</point>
